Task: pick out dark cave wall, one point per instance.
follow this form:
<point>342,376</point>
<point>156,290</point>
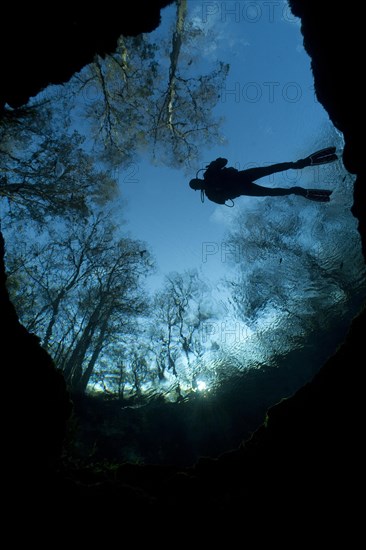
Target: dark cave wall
<point>39,406</point>
<point>306,461</point>
<point>308,454</point>
<point>45,44</point>
<point>333,38</point>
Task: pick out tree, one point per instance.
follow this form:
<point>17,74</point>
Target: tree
<point>292,279</point>
<point>148,95</point>
<point>179,310</point>
<point>86,284</point>
<point>52,269</point>
<point>46,170</point>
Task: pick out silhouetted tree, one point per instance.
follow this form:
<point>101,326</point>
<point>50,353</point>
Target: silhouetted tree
<point>147,95</point>
<point>288,282</point>
<point>85,285</point>
<point>46,170</point>
<point>178,312</point>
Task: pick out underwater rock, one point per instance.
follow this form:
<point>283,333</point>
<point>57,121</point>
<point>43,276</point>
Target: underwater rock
<point>333,38</point>
<point>41,47</point>
<point>38,406</point>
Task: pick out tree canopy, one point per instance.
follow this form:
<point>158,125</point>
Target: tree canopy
<point>148,96</point>
<point>46,170</point>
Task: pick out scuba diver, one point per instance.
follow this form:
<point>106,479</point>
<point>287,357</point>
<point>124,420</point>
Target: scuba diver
<point>222,184</point>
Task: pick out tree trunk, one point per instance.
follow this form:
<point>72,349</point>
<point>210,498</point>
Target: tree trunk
<point>55,309</point>
<point>73,367</point>
<point>174,57</point>
<point>83,383</point>
<point>167,110</point>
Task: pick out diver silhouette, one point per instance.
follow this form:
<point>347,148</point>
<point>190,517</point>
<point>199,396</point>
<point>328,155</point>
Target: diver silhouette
<point>221,184</point>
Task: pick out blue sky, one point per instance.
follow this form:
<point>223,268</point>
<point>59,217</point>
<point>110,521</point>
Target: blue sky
<point>270,115</point>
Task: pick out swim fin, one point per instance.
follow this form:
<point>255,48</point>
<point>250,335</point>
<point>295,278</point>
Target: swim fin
<point>318,195</point>
<point>323,156</point>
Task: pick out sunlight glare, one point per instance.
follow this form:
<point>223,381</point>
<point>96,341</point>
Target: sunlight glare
<point>201,386</point>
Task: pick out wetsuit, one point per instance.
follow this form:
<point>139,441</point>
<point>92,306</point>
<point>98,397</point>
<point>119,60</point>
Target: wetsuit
<point>223,184</point>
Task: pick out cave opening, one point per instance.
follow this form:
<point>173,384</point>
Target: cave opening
<point>177,323</point>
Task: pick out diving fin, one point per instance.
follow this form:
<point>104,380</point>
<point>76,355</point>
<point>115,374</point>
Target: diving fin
<point>323,156</point>
<point>318,195</point>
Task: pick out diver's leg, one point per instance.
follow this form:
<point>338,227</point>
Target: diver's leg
<point>318,195</point>
<point>255,190</point>
<point>253,174</point>
<point>321,157</point>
